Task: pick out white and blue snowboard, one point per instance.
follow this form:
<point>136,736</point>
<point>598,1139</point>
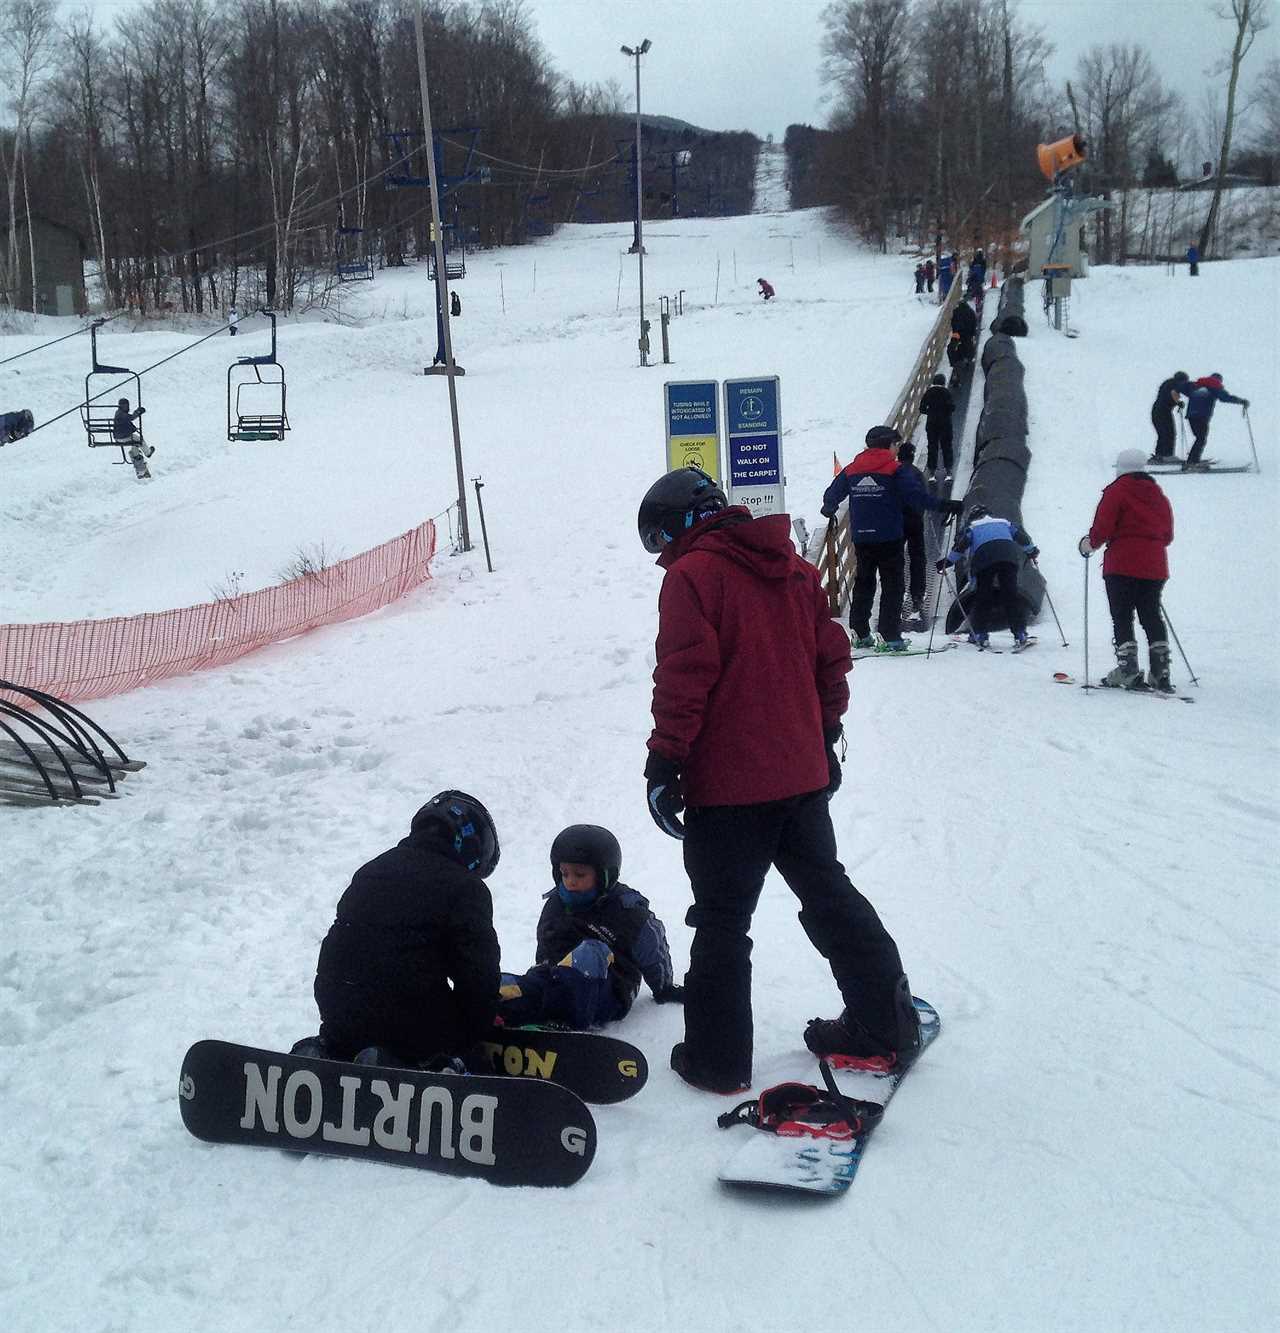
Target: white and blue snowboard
<point>820,1165</point>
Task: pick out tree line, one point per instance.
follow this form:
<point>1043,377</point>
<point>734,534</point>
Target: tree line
<point>215,152</point>
<point>939,105</point>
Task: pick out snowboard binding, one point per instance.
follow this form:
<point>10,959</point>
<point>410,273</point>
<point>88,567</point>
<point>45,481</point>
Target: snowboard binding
<point>794,1110</point>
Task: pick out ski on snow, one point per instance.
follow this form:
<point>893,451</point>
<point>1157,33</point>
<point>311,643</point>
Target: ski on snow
<point>1063,678</point>
<point>814,1158</point>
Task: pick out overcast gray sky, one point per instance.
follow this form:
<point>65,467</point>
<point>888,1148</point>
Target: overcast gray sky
<point>754,64</point>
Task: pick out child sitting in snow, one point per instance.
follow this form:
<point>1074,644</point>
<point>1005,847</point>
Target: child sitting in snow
<point>596,939</point>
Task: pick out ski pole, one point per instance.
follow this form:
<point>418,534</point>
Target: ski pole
<point>1056,621</point>
<point>937,601</point>
<point>1178,641</point>
<point>1087,686</point>
<point>1257,467</point>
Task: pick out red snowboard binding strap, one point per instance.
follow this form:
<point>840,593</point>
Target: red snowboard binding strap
<point>794,1110</point>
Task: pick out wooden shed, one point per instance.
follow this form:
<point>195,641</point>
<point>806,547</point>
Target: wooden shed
<point>59,260</point>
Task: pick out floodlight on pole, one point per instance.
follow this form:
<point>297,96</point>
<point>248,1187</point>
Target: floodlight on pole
<point>635,53</point>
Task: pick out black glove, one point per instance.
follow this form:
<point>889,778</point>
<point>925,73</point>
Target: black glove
<point>941,566</point>
<point>835,772</point>
<point>666,794</point>
<point>1244,404</point>
<point>952,508</point>
<point>672,994</point>
<point>828,513</point>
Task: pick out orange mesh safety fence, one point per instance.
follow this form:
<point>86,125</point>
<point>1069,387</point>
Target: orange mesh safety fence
<point>90,659</point>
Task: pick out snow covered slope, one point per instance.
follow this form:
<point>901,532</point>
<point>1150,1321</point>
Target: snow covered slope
<point>1083,885</point>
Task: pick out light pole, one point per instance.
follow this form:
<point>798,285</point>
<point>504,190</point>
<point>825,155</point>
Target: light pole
<point>637,52</point>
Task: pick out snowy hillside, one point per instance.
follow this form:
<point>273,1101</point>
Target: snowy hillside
<point>1084,885</point>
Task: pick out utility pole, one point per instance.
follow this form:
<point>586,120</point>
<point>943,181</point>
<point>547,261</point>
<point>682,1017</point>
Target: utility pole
<point>636,53</point>
<point>442,286</point>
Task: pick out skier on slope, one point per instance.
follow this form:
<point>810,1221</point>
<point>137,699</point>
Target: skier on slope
<point>126,434</point>
<point>1135,522</point>
<point>964,333</point>
<point>930,273</point>
<point>938,407</point>
<point>766,288</point>
<point>408,973</point>
<point>1204,395</point>
<point>879,491</point>
<point>913,537</point>
<point>919,279</point>
<point>1168,400</point>
<point>996,549</point>
<point>596,939</point>
<point>739,608</point>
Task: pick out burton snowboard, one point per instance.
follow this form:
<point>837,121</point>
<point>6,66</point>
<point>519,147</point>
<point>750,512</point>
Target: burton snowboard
<point>815,1162</point>
<point>596,1067</point>
<point>510,1131</point>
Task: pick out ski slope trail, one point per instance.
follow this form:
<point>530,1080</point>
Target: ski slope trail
<point>1084,885</point>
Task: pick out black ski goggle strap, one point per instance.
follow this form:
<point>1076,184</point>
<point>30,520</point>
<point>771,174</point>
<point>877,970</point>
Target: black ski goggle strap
<point>794,1109</point>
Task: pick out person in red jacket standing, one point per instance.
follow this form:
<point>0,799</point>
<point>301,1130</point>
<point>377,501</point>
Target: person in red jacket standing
<point>1135,523</point>
<point>749,689</point>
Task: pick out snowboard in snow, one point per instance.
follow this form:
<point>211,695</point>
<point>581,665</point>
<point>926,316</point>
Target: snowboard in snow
<point>594,1066</point>
<point>509,1131</point>
<point>817,1164</point>
<point>862,654</point>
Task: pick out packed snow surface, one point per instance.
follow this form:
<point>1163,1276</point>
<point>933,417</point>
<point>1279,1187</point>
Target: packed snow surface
<point>1083,884</point>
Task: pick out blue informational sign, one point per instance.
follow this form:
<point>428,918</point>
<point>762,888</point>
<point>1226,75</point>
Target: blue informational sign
<point>693,426</point>
<point>753,439</point>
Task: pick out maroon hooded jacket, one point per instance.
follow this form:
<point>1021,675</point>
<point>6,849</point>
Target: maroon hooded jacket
<point>751,667</point>
<point>1135,520</point>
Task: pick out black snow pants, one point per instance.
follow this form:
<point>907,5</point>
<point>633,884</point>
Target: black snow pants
<point>887,557</point>
<point>913,523</point>
<point>938,435</point>
<point>1200,432</point>
<point>997,586</point>
<point>728,850</point>
<point>1166,436</point>
<point>1125,595</point>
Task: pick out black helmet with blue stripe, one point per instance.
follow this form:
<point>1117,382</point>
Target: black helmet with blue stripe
<point>463,828</point>
<point>674,503</point>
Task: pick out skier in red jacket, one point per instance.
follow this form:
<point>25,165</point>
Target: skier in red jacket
<point>749,690</point>
<point>1135,522</point>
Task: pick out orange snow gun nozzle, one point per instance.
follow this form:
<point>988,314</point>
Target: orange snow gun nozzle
<point>1055,158</point>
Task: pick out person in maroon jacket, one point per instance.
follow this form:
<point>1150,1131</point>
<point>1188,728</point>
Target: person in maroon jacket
<point>1135,523</point>
<point>749,689</point>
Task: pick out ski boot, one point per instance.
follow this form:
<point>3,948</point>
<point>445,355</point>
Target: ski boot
<point>864,641</point>
<point>847,1042</point>
<point>1158,676</point>
<point>978,639</point>
<point>1125,675</point>
<point>1020,639</point>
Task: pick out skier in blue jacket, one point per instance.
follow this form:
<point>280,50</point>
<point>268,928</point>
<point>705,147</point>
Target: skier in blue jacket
<point>1202,397</point>
<point>879,490</point>
<point>996,549</point>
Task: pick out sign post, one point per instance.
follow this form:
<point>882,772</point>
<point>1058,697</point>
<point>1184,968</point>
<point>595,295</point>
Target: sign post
<point>753,444</point>
<point>693,425</point>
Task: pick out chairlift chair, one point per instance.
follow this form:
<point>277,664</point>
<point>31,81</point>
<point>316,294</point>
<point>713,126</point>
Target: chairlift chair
<point>256,395</point>
<point>351,258</point>
<point>98,411</point>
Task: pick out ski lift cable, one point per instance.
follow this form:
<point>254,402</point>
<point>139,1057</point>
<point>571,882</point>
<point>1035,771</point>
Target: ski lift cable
<point>139,374</point>
<point>54,341</point>
<point>529,167</point>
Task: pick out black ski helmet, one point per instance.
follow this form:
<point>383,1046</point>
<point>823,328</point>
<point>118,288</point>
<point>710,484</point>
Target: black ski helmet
<point>675,502</point>
<point>588,845</point>
<point>882,437</point>
<point>462,822</point>
<point>939,379</point>
<point>1181,377</point>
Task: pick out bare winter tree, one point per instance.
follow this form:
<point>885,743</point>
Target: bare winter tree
<point>1250,19</point>
<point>26,52</point>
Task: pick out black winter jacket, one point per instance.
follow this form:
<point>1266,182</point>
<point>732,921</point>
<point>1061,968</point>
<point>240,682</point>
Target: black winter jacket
<point>937,403</point>
<point>620,917</point>
<point>412,922</point>
<point>964,321</point>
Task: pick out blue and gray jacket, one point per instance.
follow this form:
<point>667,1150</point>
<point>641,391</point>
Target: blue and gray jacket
<point>991,540</point>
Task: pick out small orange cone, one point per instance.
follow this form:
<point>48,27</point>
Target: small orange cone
<point>993,279</point>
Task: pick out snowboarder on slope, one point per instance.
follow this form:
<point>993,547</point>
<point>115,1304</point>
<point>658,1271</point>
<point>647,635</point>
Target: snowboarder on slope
<point>879,491</point>
<point>408,973</point>
<point>596,939</point>
<point>1168,400</point>
<point>739,606</point>
<point>1135,522</point>
<point>996,549</point>
<point>1204,395</point>
<point>766,289</point>
<point>938,407</point>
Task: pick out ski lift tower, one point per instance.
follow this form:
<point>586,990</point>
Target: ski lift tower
<point>1053,227</point>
